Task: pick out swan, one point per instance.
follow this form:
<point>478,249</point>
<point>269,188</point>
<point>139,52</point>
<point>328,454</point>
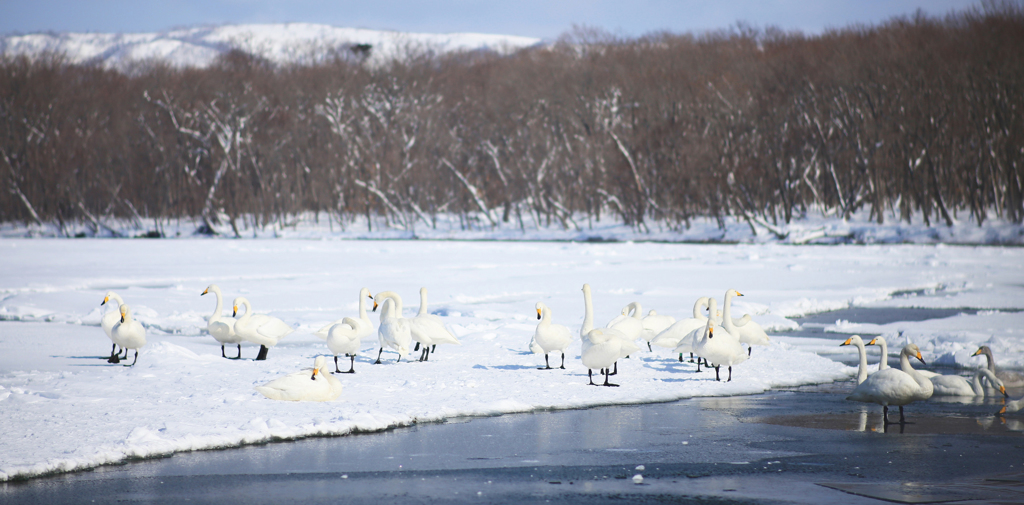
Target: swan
<point>549,336</point>
<point>217,325</point>
<point>259,328</point>
<point>362,325</point>
<point>425,329</point>
<point>746,330</point>
<point>600,349</point>
<point>629,322</point>
<point>955,385</point>
<point>1010,379</point>
<point>654,324</point>
<point>393,330</point>
<point>1011,406</point>
<point>686,344</point>
<point>108,321</point>
<point>894,386</point>
<point>129,333</point>
<point>304,386</point>
<point>670,337</point>
<point>862,369</point>
<point>343,338</point>
<point>721,349</point>
<point>627,345</point>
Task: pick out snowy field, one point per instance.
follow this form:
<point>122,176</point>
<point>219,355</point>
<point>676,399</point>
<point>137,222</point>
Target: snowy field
<point>64,408</point>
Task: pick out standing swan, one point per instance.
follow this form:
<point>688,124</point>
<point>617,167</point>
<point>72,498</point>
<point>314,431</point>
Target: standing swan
<point>862,369</point>
<point>108,321</point>
<point>721,349</point>
<point>129,333</point>
<point>747,331</point>
<point>549,336</point>
<point>259,328</point>
<point>670,337</point>
<point>304,386</point>
<point>342,338</point>
<point>894,386</point>
<point>362,325</point>
<point>218,327</point>
<point>600,350</point>
<point>393,330</point>
<point>430,327</point>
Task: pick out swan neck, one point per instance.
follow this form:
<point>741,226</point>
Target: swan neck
<point>862,368</point>
<point>909,370</point>
<point>701,302</point>
<point>976,384</point>
<point>220,306</point>
<point>423,301</point>
<point>588,315</point>
<point>395,298</point>
<point>883,363</point>
<point>362,305</point>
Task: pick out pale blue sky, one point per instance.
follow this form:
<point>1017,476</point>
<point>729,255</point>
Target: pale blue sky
<point>534,18</point>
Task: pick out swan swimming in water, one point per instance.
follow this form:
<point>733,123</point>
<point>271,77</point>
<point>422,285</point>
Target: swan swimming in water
<point>309,385</point>
<point>1010,379</point>
<point>550,337</point>
<point>219,326</point>
<point>259,328</point>
<point>892,386</point>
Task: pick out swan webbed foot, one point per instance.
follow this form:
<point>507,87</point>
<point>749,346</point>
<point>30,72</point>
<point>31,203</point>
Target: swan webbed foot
<point>136,357</point>
<point>114,359</point>
<point>381,351</point>
<point>547,366</point>
<point>606,383</point>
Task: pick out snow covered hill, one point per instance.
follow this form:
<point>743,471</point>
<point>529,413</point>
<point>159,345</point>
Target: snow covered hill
<point>280,43</point>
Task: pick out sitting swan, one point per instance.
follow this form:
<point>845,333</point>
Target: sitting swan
<point>654,324</point>
<point>894,386</point>
<point>304,386</point>
<point>259,328</point>
<point>108,321</point>
<point>219,327</point>
<point>955,385</point>
<point>1010,379</point>
<point>129,333</point>
<point>550,337</point>
<point>363,325</point>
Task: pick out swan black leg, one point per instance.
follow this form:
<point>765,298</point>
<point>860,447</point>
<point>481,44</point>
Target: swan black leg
<point>751,348</point>
<point>137,357</point>
<point>433,348</point>
<point>125,349</point>
<point>563,360</point>
<point>902,420</point>
<point>414,349</point>
<point>590,374</point>
<point>691,357</point>
<point>730,374</point>
<point>698,365</point>
<point>263,353</point>
<point>336,369</point>
<point>717,378</point>
<point>352,365</point>
<point>222,351</point>
<point>885,414</point>
<point>546,366</point>
<point>616,372</point>
<point>680,357</point>
<point>239,352</point>
<point>606,383</point>
<point>649,347</point>
<point>381,351</point>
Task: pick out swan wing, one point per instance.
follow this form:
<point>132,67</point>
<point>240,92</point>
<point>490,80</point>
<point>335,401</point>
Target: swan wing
<point>273,327</point>
<point>672,335</point>
<point>950,385</point>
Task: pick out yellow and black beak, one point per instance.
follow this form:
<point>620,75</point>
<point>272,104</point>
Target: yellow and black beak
<point>711,332</point>
<point>739,294</point>
<point>848,342</point>
<point>234,310</point>
<point>538,313</point>
<point>374,305</point>
<point>207,290</point>
<point>1002,390</point>
<point>105,300</point>
<point>313,377</point>
<point>1001,411</point>
<point>872,342</point>
<point>976,353</point>
<point>920,358</point>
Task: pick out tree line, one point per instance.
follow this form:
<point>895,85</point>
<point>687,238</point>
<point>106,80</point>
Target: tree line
<point>919,116</point>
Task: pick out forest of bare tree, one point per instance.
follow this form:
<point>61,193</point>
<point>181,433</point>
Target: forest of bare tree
<point>919,117</point>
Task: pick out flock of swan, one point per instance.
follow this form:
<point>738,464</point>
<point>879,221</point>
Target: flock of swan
<point>716,339</point>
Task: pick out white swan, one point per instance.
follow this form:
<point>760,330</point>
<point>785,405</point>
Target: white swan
<point>862,369</point>
<point>627,345</point>
<point>654,324</point>
<point>629,323</point>
<point>343,338</point>
<point>719,348</point>
<point>550,337</point>
<point>1011,406</point>
<point>430,327</point>
<point>308,385</point>
<point>601,348</point>
<point>259,328</point>
<point>687,343</point>
<point>744,328</point>
<point>895,386</point>
<point>219,327</point>
<point>955,385</point>
<point>108,321</point>
<point>129,333</point>
<point>362,325</point>
<point>1010,379</point>
<point>394,330</point>
<point>670,337</point>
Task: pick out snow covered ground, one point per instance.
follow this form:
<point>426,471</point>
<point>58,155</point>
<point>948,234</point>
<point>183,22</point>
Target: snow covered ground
<point>64,408</point>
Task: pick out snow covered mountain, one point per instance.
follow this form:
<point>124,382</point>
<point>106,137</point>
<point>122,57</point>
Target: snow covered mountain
<point>280,43</point>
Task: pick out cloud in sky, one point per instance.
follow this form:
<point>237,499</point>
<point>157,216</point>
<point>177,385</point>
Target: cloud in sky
<point>535,18</point>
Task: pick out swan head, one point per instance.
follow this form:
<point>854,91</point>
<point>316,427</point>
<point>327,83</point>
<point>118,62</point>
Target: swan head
<point>854,340</point>
<point>913,350</point>
<point>540,309</point>
<point>586,288</point>
<point>318,363</point>
<point>106,298</point>
<point>211,287</point>
<point>982,350</point>
<point>365,292</point>
<point>124,312</point>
